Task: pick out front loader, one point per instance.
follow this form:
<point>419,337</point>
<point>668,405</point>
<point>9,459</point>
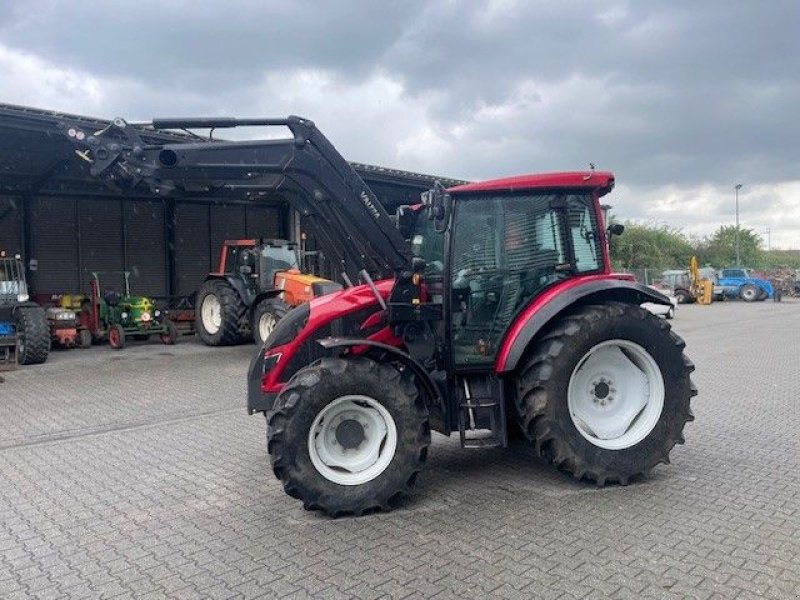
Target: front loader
<point>487,307</point>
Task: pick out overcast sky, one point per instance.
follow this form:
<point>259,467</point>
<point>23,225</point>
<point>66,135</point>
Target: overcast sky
<point>681,99</point>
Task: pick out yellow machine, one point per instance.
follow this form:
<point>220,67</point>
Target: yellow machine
<point>701,289</point>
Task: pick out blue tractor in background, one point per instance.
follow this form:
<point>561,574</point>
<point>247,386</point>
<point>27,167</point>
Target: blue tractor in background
<point>24,330</point>
<point>738,283</point>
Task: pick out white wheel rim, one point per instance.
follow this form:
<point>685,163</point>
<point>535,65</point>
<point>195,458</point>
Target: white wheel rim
<point>211,313</point>
<point>616,394</point>
<point>266,324</point>
<point>331,437</point>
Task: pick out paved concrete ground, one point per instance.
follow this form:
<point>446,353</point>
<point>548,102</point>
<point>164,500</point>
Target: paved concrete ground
<point>139,474</point>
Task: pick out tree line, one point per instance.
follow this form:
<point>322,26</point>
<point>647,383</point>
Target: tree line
<point>663,247</point>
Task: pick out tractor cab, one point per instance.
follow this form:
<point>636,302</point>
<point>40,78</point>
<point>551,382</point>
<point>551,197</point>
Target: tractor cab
<point>13,288</point>
<point>505,249</point>
<point>258,263</point>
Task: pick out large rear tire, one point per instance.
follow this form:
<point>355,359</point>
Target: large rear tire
<point>265,317</point>
<point>348,436</point>
<point>33,335</point>
<point>605,393</point>
<point>219,313</point>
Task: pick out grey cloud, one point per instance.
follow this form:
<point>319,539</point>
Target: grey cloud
<point>667,93</point>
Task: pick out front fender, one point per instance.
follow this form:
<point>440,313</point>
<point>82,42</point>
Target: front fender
<point>562,297</point>
<point>436,403</point>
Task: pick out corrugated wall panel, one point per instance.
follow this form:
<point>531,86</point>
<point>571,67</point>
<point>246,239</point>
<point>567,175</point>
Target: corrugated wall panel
<point>101,243</point>
<point>264,222</point>
<point>146,247</point>
<point>54,244</point>
<point>11,225</point>
<point>192,251</point>
<point>227,223</point>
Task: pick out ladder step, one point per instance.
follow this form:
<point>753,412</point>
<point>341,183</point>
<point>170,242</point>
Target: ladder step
<point>482,422</point>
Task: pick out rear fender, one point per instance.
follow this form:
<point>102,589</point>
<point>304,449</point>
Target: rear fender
<point>237,284</point>
<point>561,299</point>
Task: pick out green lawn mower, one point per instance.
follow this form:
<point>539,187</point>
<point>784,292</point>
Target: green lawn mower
<point>115,317</point>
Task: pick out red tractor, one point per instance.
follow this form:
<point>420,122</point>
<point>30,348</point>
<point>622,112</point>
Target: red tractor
<point>489,309</point>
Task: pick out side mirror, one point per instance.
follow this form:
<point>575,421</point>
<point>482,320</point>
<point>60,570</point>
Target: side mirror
<point>438,203</point>
<point>406,219</point>
<point>615,229</point>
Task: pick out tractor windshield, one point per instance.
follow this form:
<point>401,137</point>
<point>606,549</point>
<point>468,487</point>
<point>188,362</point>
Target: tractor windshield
<point>506,250</point>
<point>282,258</point>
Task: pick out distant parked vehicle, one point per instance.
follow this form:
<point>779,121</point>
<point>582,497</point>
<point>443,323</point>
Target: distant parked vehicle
<point>679,283</point>
<point>739,283</point>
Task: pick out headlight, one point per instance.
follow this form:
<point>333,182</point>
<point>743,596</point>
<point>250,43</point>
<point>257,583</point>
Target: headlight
<point>124,315</point>
<point>22,297</point>
<point>146,317</point>
<point>65,316</point>
<point>157,313</point>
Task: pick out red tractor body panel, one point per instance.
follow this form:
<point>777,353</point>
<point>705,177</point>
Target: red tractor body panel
<point>323,311</point>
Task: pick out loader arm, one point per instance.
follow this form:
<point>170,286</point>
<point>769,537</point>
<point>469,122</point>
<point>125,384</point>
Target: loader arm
<point>306,170</point>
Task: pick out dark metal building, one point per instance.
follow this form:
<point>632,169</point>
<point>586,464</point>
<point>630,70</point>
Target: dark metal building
<point>67,225</point>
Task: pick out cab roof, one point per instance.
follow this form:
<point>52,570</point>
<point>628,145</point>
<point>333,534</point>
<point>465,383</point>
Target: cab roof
<point>602,181</point>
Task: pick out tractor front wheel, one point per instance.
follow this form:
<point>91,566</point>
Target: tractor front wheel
<point>219,313</point>
<point>749,293</point>
<point>348,436</point>
<point>170,336</point>
<point>605,394</point>
<point>116,337</point>
<point>84,338</point>
<point>33,335</point>
<point>266,317</point>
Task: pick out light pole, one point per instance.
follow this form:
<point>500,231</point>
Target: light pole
<point>736,189</point>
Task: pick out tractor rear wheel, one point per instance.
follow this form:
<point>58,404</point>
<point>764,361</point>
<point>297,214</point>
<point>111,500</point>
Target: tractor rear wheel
<point>605,393</point>
<point>33,335</point>
<point>749,292</point>
<point>348,436</point>
<point>265,317</point>
<point>219,313</point>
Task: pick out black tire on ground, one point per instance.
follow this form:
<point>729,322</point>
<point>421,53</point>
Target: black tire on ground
<point>84,338</point>
<point>273,308</point>
<point>33,335</point>
<point>116,337</point>
<point>762,295</point>
<point>544,378</point>
<point>232,314</point>
<point>683,297</point>
<point>310,391</point>
<point>749,292</point>
<point>171,336</point>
